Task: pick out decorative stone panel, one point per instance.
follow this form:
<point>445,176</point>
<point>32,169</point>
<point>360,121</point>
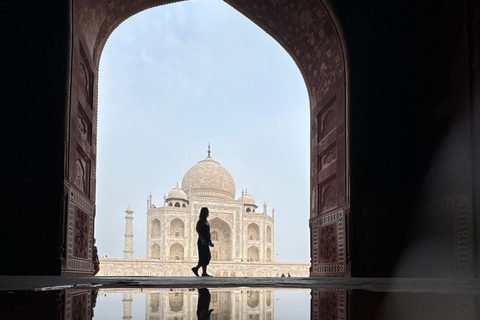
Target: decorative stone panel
<point>328,244</point>
<point>328,304</point>
<point>79,233</point>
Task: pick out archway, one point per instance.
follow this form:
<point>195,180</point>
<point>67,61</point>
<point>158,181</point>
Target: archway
<point>307,32</point>
<point>223,245</point>
<point>381,140</point>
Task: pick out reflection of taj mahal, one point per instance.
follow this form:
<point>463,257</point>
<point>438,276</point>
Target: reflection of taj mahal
<point>238,230</point>
<point>243,237</point>
<point>176,304</point>
<point>254,304</point>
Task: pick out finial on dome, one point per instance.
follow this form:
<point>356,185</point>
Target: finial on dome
<point>209,150</point>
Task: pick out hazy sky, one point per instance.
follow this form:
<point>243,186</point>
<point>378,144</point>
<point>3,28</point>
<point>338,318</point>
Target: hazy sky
<point>176,77</point>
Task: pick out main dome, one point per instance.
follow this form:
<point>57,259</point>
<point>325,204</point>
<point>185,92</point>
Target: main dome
<point>209,179</point>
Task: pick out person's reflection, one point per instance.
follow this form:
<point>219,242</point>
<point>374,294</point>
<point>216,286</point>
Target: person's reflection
<point>93,301</point>
<point>203,311</point>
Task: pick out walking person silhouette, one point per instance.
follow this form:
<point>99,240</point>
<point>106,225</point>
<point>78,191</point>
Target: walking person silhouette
<point>203,243</point>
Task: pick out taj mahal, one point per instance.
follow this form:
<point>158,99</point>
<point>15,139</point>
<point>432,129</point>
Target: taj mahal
<point>243,236</point>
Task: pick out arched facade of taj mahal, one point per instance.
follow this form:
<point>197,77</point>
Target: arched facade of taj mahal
<point>243,236</point>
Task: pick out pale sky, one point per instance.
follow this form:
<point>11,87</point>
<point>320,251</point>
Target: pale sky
<point>173,79</point>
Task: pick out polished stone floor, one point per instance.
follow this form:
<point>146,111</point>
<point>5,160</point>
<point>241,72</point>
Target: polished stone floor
<point>155,298</point>
<point>432,285</point>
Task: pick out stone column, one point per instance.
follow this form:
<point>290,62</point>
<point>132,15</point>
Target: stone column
<point>128,249</point>
<point>127,306</point>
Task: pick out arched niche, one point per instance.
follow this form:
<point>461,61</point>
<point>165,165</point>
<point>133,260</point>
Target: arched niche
<point>223,246</point>
<point>154,302</point>
<point>155,228</point>
<point>268,235</point>
<point>268,298</point>
<point>176,252</point>
<point>253,254</point>
<point>253,232</point>
<point>175,301</point>
<point>253,299</point>
<point>177,228</point>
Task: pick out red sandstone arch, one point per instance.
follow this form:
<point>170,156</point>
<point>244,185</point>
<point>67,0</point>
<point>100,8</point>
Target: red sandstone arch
<point>307,31</point>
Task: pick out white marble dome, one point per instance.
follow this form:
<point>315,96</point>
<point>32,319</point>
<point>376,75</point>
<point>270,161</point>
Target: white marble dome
<point>177,193</point>
<point>209,179</point>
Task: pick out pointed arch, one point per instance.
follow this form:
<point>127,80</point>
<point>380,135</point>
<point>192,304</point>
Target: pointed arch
<point>177,228</point>
<point>253,232</point>
<point>155,229</point>
<point>253,254</point>
<point>176,252</point>
<point>268,235</point>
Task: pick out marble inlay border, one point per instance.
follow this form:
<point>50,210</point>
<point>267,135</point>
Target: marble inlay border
<point>338,218</point>
<point>73,263</point>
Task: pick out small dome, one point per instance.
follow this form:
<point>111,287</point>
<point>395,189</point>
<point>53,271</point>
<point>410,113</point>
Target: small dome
<point>247,199</point>
<point>129,209</point>
<point>177,193</point>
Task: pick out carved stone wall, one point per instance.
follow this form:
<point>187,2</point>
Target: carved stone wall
<point>79,234</point>
<point>154,267</point>
<point>81,159</point>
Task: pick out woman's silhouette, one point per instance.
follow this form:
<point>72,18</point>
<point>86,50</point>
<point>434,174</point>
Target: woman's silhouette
<point>203,243</point>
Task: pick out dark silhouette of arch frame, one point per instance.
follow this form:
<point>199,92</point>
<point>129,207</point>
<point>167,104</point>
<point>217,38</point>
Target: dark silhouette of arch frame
<point>412,143</point>
<point>309,34</point>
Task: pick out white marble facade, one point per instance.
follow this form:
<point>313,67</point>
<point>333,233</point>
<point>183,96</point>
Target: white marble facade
<point>239,232</point>
<point>243,237</point>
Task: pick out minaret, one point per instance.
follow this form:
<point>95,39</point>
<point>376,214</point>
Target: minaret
<point>127,306</point>
<point>128,249</point>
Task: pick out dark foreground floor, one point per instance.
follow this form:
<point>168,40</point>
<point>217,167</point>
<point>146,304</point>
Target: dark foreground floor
<point>46,283</point>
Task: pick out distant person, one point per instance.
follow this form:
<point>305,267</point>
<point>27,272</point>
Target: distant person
<point>283,275</point>
<point>277,275</point>
<point>203,305</point>
<point>203,243</point>
<point>96,262</point>
<point>289,275</point>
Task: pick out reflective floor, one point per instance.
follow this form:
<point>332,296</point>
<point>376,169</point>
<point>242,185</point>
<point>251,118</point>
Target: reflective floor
<point>236,303</point>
